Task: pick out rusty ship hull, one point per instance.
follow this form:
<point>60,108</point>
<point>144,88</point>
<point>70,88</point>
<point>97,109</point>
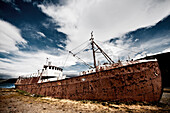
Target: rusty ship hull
<point>135,82</point>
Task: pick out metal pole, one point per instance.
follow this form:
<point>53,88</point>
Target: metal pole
<point>104,53</point>
<point>92,43</point>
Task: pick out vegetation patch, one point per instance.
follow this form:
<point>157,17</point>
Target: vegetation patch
<point>23,92</point>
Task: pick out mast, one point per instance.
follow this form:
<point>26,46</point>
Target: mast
<point>104,54</point>
<point>92,44</point>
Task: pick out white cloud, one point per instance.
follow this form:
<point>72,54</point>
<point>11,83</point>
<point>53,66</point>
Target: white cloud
<point>156,43</point>
<point>144,53</point>
<point>10,36</point>
<point>166,50</point>
<point>120,49</point>
<point>29,63</point>
<point>25,62</point>
<point>41,34</point>
<point>106,18</point>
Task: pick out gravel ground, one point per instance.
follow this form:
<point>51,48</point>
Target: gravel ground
<point>14,101</point>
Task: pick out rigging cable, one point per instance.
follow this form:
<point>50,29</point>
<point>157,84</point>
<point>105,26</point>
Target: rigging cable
<point>82,49</point>
<point>79,46</point>
<point>73,50</point>
<point>77,56</point>
<point>89,66</point>
<point>66,60</point>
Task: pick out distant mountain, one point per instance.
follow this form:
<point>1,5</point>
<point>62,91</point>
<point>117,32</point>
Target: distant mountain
<point>8,83</point>
<point>11,80</point>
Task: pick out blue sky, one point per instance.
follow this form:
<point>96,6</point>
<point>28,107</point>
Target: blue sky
<point>32,30</point>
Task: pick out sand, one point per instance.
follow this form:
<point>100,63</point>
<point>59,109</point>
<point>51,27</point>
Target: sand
<point>14,101</point>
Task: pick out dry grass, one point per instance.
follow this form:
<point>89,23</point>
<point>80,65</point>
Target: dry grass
<point>12,100</point>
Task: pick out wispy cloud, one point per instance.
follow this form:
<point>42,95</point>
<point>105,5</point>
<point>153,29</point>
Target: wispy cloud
<point>10,36</point>
<point>26,61</point>
<point>30,62</point>
<point>41,34</point>
<point>106,18</point>
<point>155,43</point>
<point>109,19</point>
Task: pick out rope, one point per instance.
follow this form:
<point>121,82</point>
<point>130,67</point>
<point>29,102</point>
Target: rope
<point>79,46</point>
<point>81,60</point>
<point>82,49</point>
<point>76,54</point>
<point>66,60</point>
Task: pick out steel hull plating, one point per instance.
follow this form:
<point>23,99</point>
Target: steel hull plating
<point>136,82</point>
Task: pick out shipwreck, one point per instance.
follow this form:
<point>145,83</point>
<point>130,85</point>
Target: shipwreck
<point>138,80</point>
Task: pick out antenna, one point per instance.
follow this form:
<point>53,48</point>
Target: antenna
<point>92,35</point>
<point>129,57</point>
<point>47,61</point>
<point>92,44</point>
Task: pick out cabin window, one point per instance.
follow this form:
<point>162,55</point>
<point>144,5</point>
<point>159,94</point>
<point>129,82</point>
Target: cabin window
<point>53,68</point>
<point>50,67</point>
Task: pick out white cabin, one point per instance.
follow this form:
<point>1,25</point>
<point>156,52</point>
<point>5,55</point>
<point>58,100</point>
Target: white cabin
<point>51,73</point>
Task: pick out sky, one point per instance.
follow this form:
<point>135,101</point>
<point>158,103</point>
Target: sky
<point>33,30</point>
